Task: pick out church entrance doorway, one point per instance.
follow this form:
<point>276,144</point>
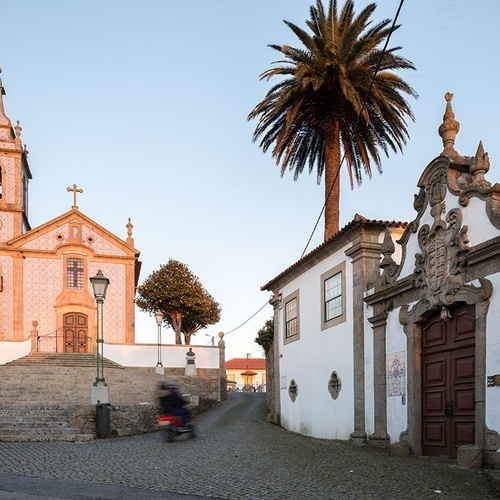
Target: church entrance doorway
<point>448,379</point>
<point>75,332</point>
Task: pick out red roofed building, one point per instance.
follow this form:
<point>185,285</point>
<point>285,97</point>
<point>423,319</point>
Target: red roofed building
<point>246,374</point>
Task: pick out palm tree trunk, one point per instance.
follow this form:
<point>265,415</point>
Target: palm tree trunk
<point>332,181</point>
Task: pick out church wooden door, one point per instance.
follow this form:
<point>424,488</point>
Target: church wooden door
<point>75,332</point>
<point>448,378</point>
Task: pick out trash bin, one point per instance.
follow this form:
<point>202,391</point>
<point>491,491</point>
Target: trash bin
<point>103,419</point>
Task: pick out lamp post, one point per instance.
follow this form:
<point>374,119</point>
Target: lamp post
<point>100,285</point>
<point>159,320</point>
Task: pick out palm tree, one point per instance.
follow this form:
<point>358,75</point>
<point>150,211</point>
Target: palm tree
<point>339,96</point>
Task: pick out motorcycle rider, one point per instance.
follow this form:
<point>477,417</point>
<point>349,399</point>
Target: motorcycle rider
<point>171,402</point>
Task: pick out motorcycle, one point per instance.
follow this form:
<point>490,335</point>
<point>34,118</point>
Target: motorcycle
<point>173,426</point>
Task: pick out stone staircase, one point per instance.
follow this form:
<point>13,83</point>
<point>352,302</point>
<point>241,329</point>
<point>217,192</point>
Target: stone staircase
<point>62,359</point>
<point>38,393</point>
<point>38,422</point>
<point>47,397</point>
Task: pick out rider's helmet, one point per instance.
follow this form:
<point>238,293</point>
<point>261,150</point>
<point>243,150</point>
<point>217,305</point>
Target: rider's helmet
<point>165,385</point>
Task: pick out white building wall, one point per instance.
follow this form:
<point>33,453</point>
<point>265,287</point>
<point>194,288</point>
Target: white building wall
<point>493,356</point>
<point>173,356</point>
<point>140,355</point>
<point>479,227</point>
<point>311,360</point>
<point>13,350</point>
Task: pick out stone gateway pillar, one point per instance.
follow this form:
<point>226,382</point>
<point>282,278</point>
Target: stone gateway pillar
<point>190,363</point>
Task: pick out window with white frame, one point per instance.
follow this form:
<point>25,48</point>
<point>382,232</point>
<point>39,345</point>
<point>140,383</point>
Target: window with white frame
<point>333,297</point>
<point>291,321</point>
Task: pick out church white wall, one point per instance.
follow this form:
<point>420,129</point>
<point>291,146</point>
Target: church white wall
<point>140,355</point>
<point>311,360</point>
<point>396,385</point>
<point>13,350</point>
<point>479,227</point>
<point>173,356</point>
<point>412,248</point>
<point>493,356</point>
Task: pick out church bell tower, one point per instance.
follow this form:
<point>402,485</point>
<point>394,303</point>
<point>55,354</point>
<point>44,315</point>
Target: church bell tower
<point>14,177</point>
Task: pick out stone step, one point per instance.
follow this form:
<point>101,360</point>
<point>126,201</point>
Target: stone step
<point>41,407</point>
<point>76,438</point>
<point>62,359</point>
<point>30,430</point>
<point>30,420</point>
<point>37,422</point>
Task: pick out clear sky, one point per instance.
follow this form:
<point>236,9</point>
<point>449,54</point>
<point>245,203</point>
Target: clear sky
<point>143,104</point>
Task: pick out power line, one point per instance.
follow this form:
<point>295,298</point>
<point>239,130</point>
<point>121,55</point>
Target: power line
<point>252,316</point>
<point>343,157</point>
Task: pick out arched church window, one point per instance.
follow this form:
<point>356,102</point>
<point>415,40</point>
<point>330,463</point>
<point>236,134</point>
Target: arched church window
<point>74,274</point>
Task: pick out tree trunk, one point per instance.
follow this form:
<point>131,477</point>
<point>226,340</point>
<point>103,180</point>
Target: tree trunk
<point>177,324</point>
<point>332,181</point>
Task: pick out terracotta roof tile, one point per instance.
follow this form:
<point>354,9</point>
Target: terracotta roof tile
<point>244,364</point>
<point>358,220</point>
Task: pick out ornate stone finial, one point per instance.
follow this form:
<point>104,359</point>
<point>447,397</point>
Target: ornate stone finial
<point>129,226</point>
<point>448,130</point>
<point>387,265</point>
<point>387,249</point>
<point>221,342</point>
<point>18,129</point>
<point>480,163</point>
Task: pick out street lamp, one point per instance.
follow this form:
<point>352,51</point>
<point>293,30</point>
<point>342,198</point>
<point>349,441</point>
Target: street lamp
<point>159,320</point>
<point>100,285</point>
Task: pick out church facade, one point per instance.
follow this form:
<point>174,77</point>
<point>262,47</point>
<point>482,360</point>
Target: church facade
<point>388,333</point>
<point>45,292</point>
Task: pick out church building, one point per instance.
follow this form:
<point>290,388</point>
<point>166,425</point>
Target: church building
<point>45,292</point>
<point>387,334</point>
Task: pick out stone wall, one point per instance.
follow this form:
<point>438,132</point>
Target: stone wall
<point>272,407</point>
<point>133,407</point>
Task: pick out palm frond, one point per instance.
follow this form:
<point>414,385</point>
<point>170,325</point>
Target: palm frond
<point>329,83</point>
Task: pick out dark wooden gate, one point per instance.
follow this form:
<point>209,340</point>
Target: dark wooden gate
<point>75,332</point>
<point>448,378</point>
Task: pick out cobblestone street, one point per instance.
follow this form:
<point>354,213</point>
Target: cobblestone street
<point>236,455</point>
